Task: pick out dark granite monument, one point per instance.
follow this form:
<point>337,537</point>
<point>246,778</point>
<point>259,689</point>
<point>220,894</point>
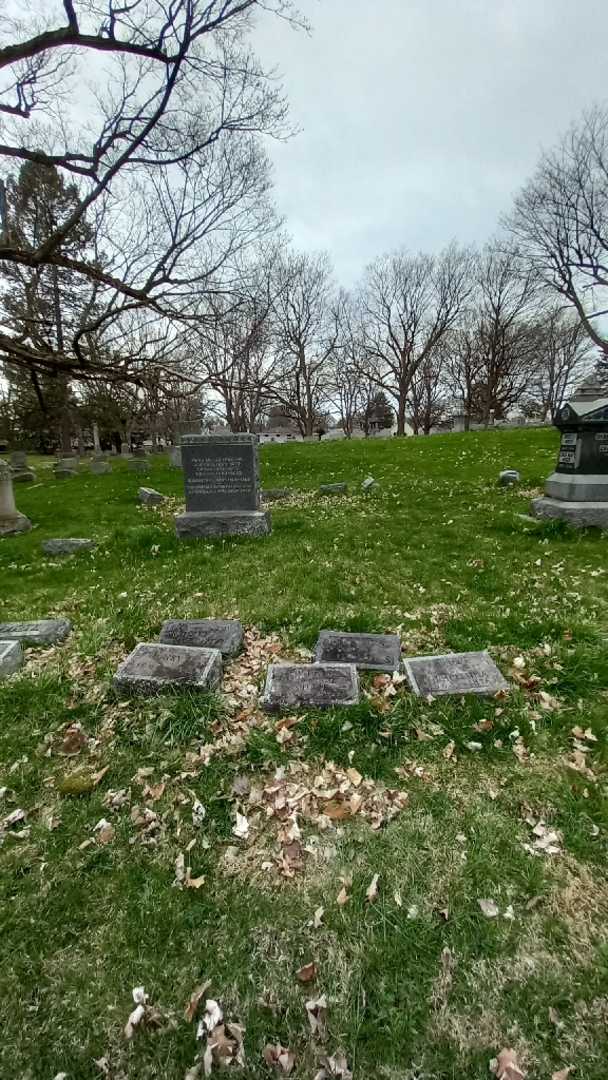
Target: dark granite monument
<point>156,669</point>
<point>368,652</point>
<point>454,673</point>
<point>310,686</point>
<point>577,492</point>
<point>223,634</point>
<point>221,479</point>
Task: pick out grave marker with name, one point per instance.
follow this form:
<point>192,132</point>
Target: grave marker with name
<point>369,652</point>
<point>454,673</point>
<point>310,686</point>
<point>221,480</point>
<point>156,669</point>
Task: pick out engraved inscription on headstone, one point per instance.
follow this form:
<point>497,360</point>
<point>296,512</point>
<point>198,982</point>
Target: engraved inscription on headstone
<point>317,686</point>
<point>155,669</point>
<point>369,652</point>
<point>455,673</point>
<point>223,634</point>
<point>220,474</point>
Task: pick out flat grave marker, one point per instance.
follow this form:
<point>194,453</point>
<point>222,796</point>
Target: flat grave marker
<point>454,673</point>
<point>369,652</point>
<point>157,668</point>
<point>11,657</point>
<point>223,634</point>
<point>36,632</point>
<point>313,686</point>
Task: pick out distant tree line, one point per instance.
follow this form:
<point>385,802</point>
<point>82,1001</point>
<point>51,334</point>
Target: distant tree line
<point>145,278</point>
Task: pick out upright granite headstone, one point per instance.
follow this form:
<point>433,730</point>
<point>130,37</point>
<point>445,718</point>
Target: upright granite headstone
<point>64,468</point>
<point>99,466</point>
<point>11,521</point>
<point>369,652</point>
<point>221,479</point>
<point>21,471</point>
<point>577,492</point>
<point>454,673</point>
<point>310,686</point>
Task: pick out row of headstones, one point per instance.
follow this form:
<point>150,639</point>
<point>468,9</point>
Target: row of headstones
<point>23,473</point>
<point>190,654</point>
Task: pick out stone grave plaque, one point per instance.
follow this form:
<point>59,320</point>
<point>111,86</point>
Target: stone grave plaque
<point>67,546</point>
<point>369,652</point>
<point>11,657</point>
<point>312,686</point>
<point>156,669</point>
<point>333,489</point>
<point>220,472</point>
<point>223,634</point>
<point>455,673</point>
<point>37,632</point>
<point>221,480</point>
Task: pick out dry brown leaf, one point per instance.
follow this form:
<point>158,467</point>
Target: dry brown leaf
<point>505,1066</point>
<point>354,776</point>
<point>307,973</point>
<point>74,740</point>
<point>337,810</point>
<point>279,1057</point>
<point>318,918</point>
<point>563,1074</point>
<point>372,890</point>
<point>489,908</point>
<point>317,1016</point>
<point>342,898</point>
<point>196,997</point>
<point>194,882</point>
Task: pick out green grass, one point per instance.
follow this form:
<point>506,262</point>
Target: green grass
<point>420,984</point>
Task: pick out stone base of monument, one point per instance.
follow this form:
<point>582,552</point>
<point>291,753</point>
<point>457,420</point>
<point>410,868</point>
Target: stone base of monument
<point>14,523</point>
<point>581,513</point>
<point>590,487</point>
<point>195,524</point>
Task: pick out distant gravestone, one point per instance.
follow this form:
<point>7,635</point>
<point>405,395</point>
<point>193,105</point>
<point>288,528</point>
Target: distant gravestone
<point>20,470</point>
<point>368,652</point>
<point>333,489</point>
<point>369,484</point>
<point>99,467</point>
<point>157,668</point>
<point>454,673</point>
<point>11,657</point>
<point>509,477</point>
<point>313,686</point>
<point>175,457</point>
<point>65,468</point>
<point>221,480</point>
<point>37,632</point>
<point>138,464</point>
<point>150,497</point>
<point>223,634</point>
<point>11,520</point>
<point>67,546</point>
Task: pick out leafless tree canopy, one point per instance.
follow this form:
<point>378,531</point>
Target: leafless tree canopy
<point>560,222</point>
<point>154,109</point>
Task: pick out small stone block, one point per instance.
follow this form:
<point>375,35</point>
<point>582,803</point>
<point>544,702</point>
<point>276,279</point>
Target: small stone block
<point>368,652</point>
<point>14,523</point>
<point>333,489</point>
<point>175,457</point>
<point>214,523</point>
<point>509,477</point>
<point>223,634</point>
<point>276,494</point>
<point>581,515</point>
<point>455,673</point>
<point>157,669</point>
<point>369,483</point>
<point>138,464</point>
<point>100,467</point>
<point>310,686</point>
<point>11,657</point>
<point>69,546</point>
<point>150,497</point>
<point>37,632</point>
<point>62,472</point>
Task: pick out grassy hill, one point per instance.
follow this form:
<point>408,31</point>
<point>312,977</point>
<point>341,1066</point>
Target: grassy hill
<point>419,981</point>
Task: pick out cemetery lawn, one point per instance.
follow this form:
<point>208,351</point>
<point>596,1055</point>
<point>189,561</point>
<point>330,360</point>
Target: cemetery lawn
<point>114,879</point>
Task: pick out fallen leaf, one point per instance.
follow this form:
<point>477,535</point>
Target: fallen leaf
<point>317,1016</point>
<point>354,776</point>
<point>342,898</point>
<point>489,908</point>
<point>337,810</point>
<point>196,997</point>
<point>505,1066</point>
<point>279,1057</point>
<point>13,818</point>
<point>307,973</point>
<point>318,918</point>
<point>137,1015</point>
<point>372,891</point>
<point>241,827</point>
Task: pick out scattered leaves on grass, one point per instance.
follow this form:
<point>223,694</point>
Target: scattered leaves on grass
<point>489,908</point>
<point>280,1058</point>
<point>14,818</point>
<point>334,1066</point>
<point>316,1011</point>
<point>546,841</point>
<point>137,1016</point>
<point>505,1066</point>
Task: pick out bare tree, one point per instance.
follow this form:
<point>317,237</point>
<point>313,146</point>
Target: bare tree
<point>560,222</point>
<point>168,169</point>
<point>306,336</point>
<point>409,303</point>
<point>565,354</point>
<point>427,396</point>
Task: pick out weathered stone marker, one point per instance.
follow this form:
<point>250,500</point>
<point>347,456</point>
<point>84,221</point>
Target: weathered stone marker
<point>11,657</point>
<point>37,632</point>
<point>221,479</point>
<point>508,478</point>
<point>276,494</point>
<point>333,489</point>
<point>11,521</point>
<point>454,673</point>
<point>64,468</point>
<point>67,546</point>
<point>368,652</point>
<point>157,669</point>
<point>150,497</point>
<point>175,457</point>
<point>312,686</point>
<point>100,467</point>
<point>577,492</point>
<point>21,471</point>
<point>223,634</point>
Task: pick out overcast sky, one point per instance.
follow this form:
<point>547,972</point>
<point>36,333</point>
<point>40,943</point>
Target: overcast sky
<point>420,118</point>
